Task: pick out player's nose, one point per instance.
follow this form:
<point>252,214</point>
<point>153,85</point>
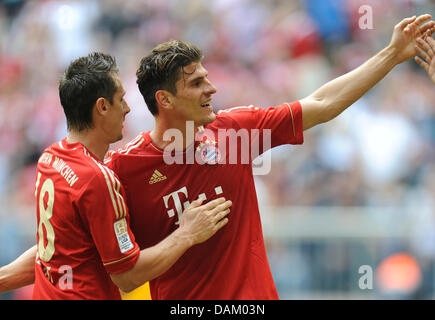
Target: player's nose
<point>211,89</point>
<point>126,108</point>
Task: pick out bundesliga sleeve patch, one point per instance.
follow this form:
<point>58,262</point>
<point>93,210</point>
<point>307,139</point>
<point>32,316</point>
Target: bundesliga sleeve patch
<point>121,232</point>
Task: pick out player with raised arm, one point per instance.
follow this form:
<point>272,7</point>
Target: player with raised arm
<point>85,248</point>
<point>174,83</point>
<point>176,89</point>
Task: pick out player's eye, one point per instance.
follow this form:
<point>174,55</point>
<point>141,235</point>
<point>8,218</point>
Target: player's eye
<point>197,82</point>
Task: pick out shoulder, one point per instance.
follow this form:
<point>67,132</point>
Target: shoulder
<point>95,173</point>
<point>132,147</point>
<point>243,114</point>
<point>230,117</point>
<point>237,112</point>
<point>66,161</point>
<point>231,111</point>
<point>100,177</point>
<point>73,169</point>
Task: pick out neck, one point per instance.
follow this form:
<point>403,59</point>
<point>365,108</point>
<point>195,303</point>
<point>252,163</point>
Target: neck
<point>174,132</point>
<point>91,140</point>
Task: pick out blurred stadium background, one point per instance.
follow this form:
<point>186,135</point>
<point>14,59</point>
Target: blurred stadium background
<point>358,196</point>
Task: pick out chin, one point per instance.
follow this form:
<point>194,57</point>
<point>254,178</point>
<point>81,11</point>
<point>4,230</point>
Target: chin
<point>210,118</point>
<point>205,119</point>
<point>119,138</point>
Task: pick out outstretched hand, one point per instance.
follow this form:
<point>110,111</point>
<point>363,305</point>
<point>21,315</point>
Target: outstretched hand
<point>426,49</point>
<point>406,33</point>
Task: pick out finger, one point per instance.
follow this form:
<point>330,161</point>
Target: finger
<point>422,53</point>
<point>422,18</point>
<point>431,42</point>
<point>221,215</point>
<point>427,44</point>
<point>402,24</point>
<point>221,207</point>
<point>212,204</point>
<point>196,203</point>
<point>424,45</point>
<point>427,26</point>
<point>422,64</point>
<point>221,223</point>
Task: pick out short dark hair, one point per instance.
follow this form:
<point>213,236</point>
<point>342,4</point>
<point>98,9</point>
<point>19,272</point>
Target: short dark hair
<point>85,81</point>
<point>160,70</point>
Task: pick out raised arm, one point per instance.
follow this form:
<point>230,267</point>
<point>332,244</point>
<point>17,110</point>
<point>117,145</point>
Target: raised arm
<point>197,224</point>
<point>20,272</point>
<point>426,49</point>
<point>334,97</point>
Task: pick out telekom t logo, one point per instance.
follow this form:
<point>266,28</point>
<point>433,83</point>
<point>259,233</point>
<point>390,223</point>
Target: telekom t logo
<point>179,206</point>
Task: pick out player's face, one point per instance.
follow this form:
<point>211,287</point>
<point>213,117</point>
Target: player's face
<point>193,101</point>
<point>116,114</point>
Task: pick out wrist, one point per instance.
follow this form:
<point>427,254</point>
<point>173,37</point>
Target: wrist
<point>392,54</point>
<point>182,236</point>
<point>3,279</point>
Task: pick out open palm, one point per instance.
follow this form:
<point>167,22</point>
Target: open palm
<point>406,34</point>
<point>426,49</point>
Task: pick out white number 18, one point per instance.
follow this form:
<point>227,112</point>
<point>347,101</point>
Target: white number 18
<point>45,213</point>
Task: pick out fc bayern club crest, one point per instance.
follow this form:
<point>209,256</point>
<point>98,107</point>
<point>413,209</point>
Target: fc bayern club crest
<point>209,152</point>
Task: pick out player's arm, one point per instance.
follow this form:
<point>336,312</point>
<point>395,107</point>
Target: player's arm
<point>198,223</point>
<point>334,97</point>
<point>426,49</point>
<point>20,272</point>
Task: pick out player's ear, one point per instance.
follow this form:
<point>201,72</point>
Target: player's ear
<point>101,106</point>
<point>164,99</point>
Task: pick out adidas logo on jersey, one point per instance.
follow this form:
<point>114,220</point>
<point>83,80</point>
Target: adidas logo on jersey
<point>156,177</point>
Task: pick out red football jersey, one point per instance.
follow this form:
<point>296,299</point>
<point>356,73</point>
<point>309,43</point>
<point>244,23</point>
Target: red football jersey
<point>83,226</point>
<point>233,263</point>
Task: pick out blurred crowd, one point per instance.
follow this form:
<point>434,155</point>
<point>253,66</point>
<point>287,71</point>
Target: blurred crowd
<point>380,152</point>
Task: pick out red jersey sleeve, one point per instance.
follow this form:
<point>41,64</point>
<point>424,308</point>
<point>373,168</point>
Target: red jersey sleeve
<point>283,121</point>
<point>103,209</point>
